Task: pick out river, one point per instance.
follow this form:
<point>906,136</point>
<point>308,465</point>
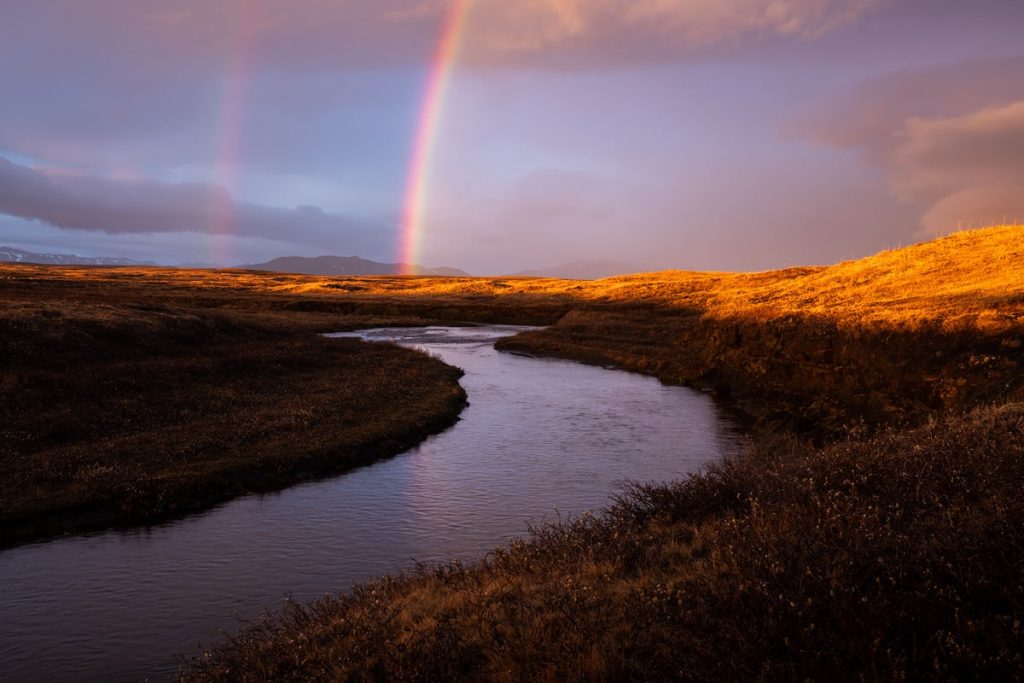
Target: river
<point>541,440</point>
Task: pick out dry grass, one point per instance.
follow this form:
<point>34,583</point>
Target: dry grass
<point>116,409</point>
<point>895,338</point>
<point>892,556</point>
<point>898,557</point>
<point>971,279</point>
<point>887,557</point>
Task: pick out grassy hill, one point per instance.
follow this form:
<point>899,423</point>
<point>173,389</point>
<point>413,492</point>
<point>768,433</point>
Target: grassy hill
<point>894,551</point>
<point>970,279</point>
<point>894,338</point>
<point>890,546</point>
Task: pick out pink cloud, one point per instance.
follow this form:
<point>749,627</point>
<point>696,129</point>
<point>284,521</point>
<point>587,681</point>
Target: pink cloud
<point>364,31</point>
<point>950,140</point>
<point>942,155</point>
<point>975,207</point>
<point>971,167</point>
<point>682,24</point>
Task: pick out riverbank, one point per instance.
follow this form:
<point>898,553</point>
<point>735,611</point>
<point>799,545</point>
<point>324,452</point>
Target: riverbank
<point>893,339</point>
<point>893,551</point>
<point>538,434</point>
<point>896,338</point>
<point>905,368</point>
<point>892,558</point>
<point>121,411</point>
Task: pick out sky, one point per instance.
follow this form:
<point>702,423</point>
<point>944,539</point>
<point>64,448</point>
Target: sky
<point>503,135</point>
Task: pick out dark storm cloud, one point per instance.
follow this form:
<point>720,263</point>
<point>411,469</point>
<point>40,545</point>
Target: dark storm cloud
<point>117,206</point>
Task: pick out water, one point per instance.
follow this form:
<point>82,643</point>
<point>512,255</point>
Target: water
<point>540,439</point>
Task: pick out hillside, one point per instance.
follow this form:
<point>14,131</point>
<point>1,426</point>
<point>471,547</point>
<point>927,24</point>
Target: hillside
<point>893,551</point>
<point>12,255</point>
<point>893,338</point>
<point>346,265</point>
<point>887,546</point>
<point>582,270</point>
<point>973,279</point>
<point>896,337</point>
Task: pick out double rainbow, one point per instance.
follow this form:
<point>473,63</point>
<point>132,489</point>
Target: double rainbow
<point>222,210</point>
<point>441,67</point>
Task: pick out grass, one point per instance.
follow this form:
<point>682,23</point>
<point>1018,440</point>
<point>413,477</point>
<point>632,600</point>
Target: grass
<point>968,280</point>
<point>887,559</point>
<point>894,551</point>
<point>121,410</point>
<point>891,549</point>
<point>895,338</point>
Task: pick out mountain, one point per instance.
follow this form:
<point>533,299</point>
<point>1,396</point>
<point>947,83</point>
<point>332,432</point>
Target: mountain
<point>12,255</point>
<point>583,270</point>
<point>345,265</point>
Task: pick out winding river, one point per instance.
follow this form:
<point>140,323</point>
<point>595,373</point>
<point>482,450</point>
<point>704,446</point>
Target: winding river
<point>541,440</point>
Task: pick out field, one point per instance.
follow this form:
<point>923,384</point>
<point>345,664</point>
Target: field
<point>893,558</point>
<point>875,532</point>
<point>891,551</point>
<point>117,408</point>
<point>891,339</point>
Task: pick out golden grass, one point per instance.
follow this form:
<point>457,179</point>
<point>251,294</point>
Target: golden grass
<point>972,278</point>
<point>969,279</point>
<point>889,557</point>
<point>808,347</point>
<point>896,558</point>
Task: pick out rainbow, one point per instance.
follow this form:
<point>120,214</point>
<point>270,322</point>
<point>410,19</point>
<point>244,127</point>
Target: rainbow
<point>230,123</point>
<point>427,128</point>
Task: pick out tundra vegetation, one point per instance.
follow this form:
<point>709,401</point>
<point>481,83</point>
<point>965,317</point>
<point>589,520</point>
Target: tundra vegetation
<point>119,409</point>
<point>875,531</point>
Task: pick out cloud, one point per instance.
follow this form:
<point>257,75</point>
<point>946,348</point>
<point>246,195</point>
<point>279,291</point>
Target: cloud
<point>648,27</point>
<point>400,29</point>
<point>872,115</point>
<point>122,83</point>
<point>118,206</point>
<point>936,157</point>
<point>950,139</point>
<point>362,32</point>
<point>976,207</point>
<point>971,168</point>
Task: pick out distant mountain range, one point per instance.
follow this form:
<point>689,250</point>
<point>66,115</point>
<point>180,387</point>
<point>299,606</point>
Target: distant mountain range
<point>345,265</point>
<point>12,255</point>
<point>331,265</point>
<point>584,270</point>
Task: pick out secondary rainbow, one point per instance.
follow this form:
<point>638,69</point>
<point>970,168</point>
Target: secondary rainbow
<point>414,202</point>
<point>234,91</point>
